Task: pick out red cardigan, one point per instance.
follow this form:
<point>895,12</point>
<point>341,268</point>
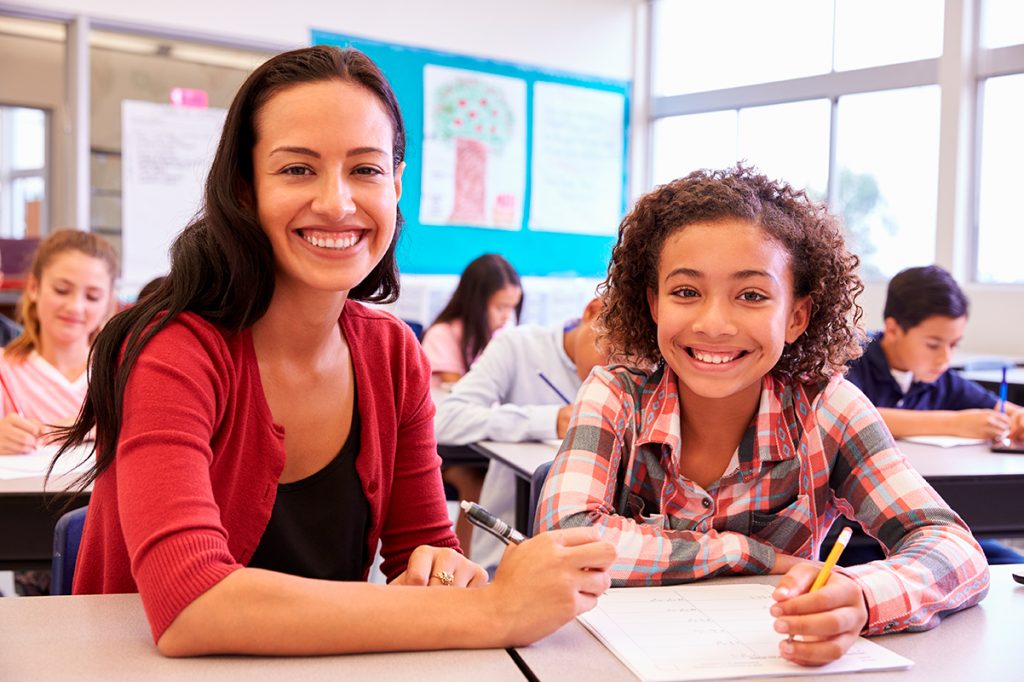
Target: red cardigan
<point>199,457</point>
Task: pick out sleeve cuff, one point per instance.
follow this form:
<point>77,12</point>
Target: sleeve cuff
<point>543,422</point>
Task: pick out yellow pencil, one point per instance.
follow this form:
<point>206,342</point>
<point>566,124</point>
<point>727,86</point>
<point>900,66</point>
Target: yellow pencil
<point>833,557</point>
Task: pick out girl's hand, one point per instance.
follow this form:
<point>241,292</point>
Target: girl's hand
<point>1017,425</point>
<point>550,579</point>
<point>988,424</point>
<point>18,434</point>
<point>441,567</point>
<point>827,621</point>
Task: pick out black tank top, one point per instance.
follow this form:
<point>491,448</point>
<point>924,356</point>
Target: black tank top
<point>319,524</point>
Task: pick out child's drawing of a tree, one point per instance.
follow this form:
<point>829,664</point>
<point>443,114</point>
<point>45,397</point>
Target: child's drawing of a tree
<point>478,118</point>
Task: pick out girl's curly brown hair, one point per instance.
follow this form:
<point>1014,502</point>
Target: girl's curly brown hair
<point>823,269</point>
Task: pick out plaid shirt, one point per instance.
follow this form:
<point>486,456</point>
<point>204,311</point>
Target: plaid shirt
<point>811,453</point>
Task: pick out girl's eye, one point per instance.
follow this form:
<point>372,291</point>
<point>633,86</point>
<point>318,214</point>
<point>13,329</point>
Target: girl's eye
<point>685,292</point>
<point>296,170</point>
<point>94,298</point>
<point>63,292</point>
<point>368,170</point>
<point>753,296</point>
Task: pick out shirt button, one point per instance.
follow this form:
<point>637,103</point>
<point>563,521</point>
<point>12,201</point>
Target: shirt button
<point>890,626</point>
<point>706,502</point>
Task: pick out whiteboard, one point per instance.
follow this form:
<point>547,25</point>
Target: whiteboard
<point>166,153</point>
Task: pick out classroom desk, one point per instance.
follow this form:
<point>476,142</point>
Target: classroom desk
<point>991,378</point>
<point>985,488</point>
<point>106,637</point>
<point>980,643</point>
<point>28,513</point>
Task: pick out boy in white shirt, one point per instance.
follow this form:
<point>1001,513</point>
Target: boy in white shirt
<point>504,398</point>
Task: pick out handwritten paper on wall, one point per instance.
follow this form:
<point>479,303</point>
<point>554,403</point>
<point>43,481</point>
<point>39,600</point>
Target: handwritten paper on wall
<point>577,165</point>
<point>166,154</point>
<point>474,148</point>
<point>705,632</point>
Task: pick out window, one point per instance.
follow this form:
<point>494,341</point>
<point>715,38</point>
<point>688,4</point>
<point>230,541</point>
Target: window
<point>23,153</point>
<point>839,98</point>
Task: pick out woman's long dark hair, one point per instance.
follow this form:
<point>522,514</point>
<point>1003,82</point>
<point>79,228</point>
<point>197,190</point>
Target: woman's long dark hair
<point>481,278</point>
<point>222,264</point>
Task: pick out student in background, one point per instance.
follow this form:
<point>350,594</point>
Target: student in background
<point>67,298</point>
<point>904,370</point>
<point>487,297</point>
<point>259,430</point>
<point>9,329</point>
<point>518,390</point>
<point>731,442</point>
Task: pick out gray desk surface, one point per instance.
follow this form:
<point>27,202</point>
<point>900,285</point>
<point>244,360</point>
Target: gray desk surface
<point>106,637</point>
<point>981,643</point>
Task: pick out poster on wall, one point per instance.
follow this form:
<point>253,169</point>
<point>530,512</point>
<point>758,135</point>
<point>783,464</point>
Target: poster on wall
<point>166,153</point>
<point>577,165</point>
<point>474,149</point>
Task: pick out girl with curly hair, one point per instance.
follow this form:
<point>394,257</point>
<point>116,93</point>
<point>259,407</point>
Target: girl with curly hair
<point>730,441</point>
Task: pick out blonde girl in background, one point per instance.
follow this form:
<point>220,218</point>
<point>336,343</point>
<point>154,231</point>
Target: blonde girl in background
<point>66,300</point>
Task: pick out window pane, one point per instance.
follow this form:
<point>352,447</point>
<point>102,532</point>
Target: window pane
<point>1000,228</point>
<point>700,45</point>
<point>877,32</point>
<point>1002,23</point>
<point>685,143</point>
<point>789,142</point>
<point>29,139</point>
<point>887,159</point>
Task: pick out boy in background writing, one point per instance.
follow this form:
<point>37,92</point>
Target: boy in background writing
<point>504,398</point>
<point>904,371</point>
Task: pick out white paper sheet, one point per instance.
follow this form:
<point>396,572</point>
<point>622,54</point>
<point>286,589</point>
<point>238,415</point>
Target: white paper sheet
<point>703,632</point>
<point>35,463</point>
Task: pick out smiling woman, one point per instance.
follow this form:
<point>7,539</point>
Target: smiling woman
<point>259,431</point>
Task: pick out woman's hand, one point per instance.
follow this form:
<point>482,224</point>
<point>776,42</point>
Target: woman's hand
<point>441,566</point>
<point>987,424</point>
<point>18,434</point>
<point>550,579</point>
<point>827,622</point>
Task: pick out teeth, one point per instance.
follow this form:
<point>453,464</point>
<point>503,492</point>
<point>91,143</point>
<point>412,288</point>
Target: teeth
<point>329,243</point>
<point>714,358</point>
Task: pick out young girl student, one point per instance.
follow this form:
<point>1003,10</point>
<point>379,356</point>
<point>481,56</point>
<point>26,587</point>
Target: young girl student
<point>731,442</point>
<point>488,294</point>
<point>259,430</point>
<point>67,298</point>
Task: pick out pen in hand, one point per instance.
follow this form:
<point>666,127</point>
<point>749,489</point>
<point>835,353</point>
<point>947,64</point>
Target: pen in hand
<point>1002,392</point>
<point>553,388</point>
<point>481,518</point>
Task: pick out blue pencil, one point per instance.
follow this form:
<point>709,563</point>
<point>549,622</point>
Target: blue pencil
<point>553,388</point>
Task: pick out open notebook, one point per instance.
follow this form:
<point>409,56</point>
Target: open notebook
<point>706,632</point>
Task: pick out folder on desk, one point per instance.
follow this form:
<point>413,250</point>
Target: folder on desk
<point>709,632</point>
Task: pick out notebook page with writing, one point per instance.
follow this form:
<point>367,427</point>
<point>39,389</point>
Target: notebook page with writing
<point>707,632</point>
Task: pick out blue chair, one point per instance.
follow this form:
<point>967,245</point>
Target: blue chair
<point>416,327</point>
<point>536,484</point>
<point>67,535</point>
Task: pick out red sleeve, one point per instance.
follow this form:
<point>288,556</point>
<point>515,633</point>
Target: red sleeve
<point>172,527</point>
<point>417,513</point>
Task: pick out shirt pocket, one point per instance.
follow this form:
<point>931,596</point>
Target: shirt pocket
<point>787,529</point>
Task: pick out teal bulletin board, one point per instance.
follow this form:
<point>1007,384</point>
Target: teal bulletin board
<point>552,191</point>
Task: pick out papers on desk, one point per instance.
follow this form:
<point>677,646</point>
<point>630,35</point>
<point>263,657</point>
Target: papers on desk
<point>944,441</point>
<point>35,463</point>
<point>704,632</point>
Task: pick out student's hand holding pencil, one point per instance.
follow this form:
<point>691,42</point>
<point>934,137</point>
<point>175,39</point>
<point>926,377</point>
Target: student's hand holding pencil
<point>19,434</point>
<point>980,423</point>
<point>821,624</point>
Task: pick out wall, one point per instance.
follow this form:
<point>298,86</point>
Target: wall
<point>591,36</point>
